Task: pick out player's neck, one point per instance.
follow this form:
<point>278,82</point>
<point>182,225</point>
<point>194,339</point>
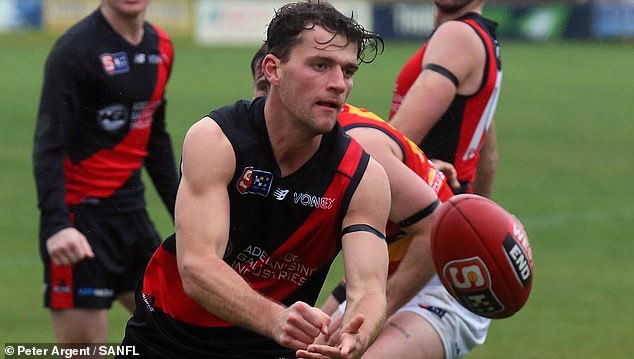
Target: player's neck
<point>130,28</point>
<point>292,146</point>
<point>442,17</point>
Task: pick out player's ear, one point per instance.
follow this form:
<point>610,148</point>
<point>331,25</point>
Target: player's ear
<point>270,68</point>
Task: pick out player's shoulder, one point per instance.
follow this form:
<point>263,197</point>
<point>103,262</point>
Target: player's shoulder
<point>455,30</point>
<point>454,36</point>
<point>80,37</point>
<point>376,172</point>
<point>157,31</point>
<point>205,133</point>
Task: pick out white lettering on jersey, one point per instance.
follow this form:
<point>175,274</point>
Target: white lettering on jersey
<point>313,201</point>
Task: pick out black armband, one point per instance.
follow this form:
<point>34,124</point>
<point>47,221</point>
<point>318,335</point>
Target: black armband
<point>420,214</point>
<point>364,228</point>
<point>339,293</point>
<point>443,71</point>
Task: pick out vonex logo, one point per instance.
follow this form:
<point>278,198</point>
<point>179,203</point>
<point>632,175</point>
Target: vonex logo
<point>254,182</point>
<point>470,281</point>
<point>313,201</point>
<point>114,64</point>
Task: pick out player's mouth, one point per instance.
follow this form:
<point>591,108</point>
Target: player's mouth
<point>332,104</point>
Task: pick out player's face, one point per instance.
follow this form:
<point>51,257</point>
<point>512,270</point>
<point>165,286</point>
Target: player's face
<point>317,78</point>
<point>126,8</point>
<point>451,6</point>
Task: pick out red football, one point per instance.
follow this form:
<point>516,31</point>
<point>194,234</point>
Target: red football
<point>482,255</point>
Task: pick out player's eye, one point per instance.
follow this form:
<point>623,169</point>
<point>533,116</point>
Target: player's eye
<point>349,73</point>
<point>320,67</point>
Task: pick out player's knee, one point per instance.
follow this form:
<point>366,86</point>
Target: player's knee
<point>80,325</point>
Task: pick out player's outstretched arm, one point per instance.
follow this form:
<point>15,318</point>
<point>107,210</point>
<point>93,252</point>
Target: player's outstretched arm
<point>202,230</point>
<point>365,264</point>
<point>411,197</point>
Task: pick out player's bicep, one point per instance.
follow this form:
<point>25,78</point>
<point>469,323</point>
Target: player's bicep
<point>202,202</point>
<point>370,204</point>
<point>424,104</point>
<point>450,48</point>
<point>455,55</point>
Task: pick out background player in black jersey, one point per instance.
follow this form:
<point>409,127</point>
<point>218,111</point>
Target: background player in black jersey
<point>101,118</point>
<point>446,94</point>
<point>270,190</point>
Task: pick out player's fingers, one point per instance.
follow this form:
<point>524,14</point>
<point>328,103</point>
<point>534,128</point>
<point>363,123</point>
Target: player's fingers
<point>60,258</point>
<point>87,249</point>
<point>334,337</point>
<point>299,334</point>
<point>292,342</point>
<point>77,250</point>
<point>349,347</point>
<point>321,351</point>
<point>354,325</point>
<point>303,354</point>
<point>315,321</point>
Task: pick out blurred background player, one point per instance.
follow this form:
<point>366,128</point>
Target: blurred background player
<point>101,118</point>
<point>446,94</point>
<point>271,190</point>
<point>428,323</point>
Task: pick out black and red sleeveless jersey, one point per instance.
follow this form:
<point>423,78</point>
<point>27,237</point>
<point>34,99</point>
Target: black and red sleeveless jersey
<point>413,157</point>
<point>101,117</point>
<point>284,231</point>
<point>458,136</point>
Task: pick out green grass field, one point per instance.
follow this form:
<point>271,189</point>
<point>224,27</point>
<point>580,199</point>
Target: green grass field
<point>565,126</point>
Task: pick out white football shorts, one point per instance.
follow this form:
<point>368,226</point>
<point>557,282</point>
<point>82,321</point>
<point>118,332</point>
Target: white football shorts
<point>459,329</point>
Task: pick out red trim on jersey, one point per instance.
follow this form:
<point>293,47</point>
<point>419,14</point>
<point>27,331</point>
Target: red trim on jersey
<point>474,111</point>
<point>107,170</point>
<point>162,282</point>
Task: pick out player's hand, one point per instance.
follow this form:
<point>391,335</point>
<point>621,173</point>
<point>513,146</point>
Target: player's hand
<point>449,171</point>
<point>334,331</point>
<point>298,325</point>
<point>351,345</point>
<point>68,246</point>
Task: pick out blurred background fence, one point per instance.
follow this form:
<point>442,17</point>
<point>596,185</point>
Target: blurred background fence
<point>241,22</point>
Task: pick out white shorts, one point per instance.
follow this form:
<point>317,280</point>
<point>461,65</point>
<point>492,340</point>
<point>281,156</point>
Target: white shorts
<point>460,330</point>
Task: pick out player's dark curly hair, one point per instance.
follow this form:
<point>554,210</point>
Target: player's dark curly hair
<point>291,19</point>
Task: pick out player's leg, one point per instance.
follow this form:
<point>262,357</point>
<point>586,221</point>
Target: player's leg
<point>80,325</point>
<point>78,298</point>
<point>407,335</point>
<point>431,325</point>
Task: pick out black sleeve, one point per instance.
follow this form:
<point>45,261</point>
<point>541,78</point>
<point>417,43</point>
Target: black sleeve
<point>58,113</point>
<point>160,160</point>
